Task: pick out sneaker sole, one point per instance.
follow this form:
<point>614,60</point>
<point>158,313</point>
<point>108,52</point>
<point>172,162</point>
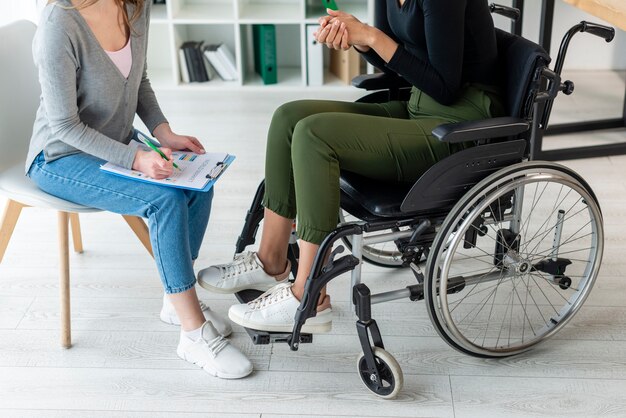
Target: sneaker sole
<point>223,291</point>
<point>210,370</point>
<point>308,327</point>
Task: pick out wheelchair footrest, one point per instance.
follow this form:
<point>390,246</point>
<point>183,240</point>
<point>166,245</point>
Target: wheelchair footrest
<point>265,337</point>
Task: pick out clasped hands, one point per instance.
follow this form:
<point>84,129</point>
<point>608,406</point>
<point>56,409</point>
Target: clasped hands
<point>340,30</point>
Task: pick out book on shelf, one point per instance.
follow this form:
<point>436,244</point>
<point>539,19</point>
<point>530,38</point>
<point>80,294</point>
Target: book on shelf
<point>228,59</point>
<point>222,60</point>
<point>194,62</point>
<point>184,69</point>
<point>264,40</point>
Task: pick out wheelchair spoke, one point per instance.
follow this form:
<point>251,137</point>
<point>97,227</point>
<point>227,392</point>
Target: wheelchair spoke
<point>544,253</point>
<point>535,276</point>
<point>546,233</point>
<point>473,287</point>
<point>554,285</point>
<point>566,241</point>
<point>523,308</point>
<point>490,314</point>
<point>569,240</point>
<point>533,206</point>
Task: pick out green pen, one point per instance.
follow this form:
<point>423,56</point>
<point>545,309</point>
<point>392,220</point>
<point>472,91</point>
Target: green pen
<point>144,139</point>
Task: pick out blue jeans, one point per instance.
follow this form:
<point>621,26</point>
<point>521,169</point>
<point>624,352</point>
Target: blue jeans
<point>177,218</point>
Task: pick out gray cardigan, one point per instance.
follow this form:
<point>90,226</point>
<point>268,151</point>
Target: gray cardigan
<point>86,103</point>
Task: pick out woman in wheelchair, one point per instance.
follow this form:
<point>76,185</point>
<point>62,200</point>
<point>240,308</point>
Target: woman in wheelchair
<point>447,50</point>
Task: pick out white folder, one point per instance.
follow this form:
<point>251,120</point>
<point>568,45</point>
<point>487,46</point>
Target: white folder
<point>314,58</point>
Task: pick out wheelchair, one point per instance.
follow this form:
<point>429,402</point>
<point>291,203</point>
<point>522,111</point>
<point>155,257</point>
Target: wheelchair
<point>504,249</point>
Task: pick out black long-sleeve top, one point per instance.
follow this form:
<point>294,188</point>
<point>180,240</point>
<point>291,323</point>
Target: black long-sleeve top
<point>443,44</point>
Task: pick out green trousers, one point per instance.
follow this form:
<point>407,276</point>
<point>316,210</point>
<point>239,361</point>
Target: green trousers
<point>310,141</point>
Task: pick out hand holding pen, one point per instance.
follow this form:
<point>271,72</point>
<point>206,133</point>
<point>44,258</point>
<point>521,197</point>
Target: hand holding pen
<point>158,164</point>
<point>153,164</point>
<point>148,142</point>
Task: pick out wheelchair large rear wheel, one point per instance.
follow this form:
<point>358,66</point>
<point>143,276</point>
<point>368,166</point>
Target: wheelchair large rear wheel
<point>514,260</point>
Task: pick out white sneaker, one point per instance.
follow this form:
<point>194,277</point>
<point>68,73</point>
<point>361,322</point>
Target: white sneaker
<point>169,316</point>
<point>214,354</point>
<point>275,310</point>
<point>246,271</point>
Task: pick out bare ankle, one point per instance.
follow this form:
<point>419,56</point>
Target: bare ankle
<point>274,266</point>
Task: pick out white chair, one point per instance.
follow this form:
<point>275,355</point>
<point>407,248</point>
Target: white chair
<point>19,99</point>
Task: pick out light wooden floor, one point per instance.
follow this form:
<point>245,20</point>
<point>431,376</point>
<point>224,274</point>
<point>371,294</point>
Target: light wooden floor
<point>123,362</point>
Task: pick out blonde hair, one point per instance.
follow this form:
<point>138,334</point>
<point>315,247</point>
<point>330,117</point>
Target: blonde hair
<point>128,20</point>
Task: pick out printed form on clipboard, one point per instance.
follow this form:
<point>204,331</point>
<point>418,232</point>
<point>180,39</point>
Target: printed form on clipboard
<point>197,171</point>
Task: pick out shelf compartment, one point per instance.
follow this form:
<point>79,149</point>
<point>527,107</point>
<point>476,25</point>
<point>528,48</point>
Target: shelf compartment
<point>160,70</point>
<point>210,34</point>
<point>263,11</point>
<point>202,11</point>
<point>288,57</point>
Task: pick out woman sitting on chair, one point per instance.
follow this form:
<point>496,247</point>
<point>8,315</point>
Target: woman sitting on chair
<point>447,50</point>
<point>91,57</point>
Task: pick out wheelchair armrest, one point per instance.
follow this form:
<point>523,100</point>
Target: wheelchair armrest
<point>379,81</point>
<point>475,130</point>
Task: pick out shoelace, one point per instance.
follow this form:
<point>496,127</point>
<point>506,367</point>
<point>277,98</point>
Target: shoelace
<point>275,294</point>
<point>242,263</point>
<point>215,345</point>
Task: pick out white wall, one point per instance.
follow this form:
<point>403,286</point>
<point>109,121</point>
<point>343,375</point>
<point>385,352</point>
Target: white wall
<point>586,51</point>
<point>11,10</point>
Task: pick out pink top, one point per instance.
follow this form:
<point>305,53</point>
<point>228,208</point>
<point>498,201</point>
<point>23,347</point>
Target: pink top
<point>123,59</point>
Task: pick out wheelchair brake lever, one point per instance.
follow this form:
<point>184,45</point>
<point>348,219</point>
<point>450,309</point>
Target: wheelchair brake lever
<point>331,258</point>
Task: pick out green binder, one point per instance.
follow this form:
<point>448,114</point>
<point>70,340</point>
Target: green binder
<point>330,4</point>
<point>264,38</point>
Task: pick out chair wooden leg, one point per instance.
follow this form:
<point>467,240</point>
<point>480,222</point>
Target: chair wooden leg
<point>77,237</point>
<point>7,224</point>
<point>64,286</point>
<point>140,229</point>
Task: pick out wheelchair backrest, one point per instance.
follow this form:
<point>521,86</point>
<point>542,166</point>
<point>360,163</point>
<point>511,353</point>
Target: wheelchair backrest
<point>519,61</point>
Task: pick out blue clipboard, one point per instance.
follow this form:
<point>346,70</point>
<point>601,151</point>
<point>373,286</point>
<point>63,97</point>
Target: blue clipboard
<point>224,165</point>
<point>219,170</point>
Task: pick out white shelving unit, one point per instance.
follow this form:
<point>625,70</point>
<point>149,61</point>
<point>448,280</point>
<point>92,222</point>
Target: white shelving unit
<point>230,22</point>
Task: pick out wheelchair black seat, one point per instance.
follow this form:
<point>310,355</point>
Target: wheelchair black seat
<point>369,199</point>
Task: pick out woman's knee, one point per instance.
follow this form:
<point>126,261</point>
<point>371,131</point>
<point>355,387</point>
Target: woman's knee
<point>171,200</point>
<point>285,118</point>
<point>309,138</point>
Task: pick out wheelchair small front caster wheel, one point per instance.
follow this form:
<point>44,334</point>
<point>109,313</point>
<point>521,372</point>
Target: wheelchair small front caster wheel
<point>389,371</point>
<point>565,282</point>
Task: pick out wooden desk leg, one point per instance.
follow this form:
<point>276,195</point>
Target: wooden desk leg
<point>64,285</point>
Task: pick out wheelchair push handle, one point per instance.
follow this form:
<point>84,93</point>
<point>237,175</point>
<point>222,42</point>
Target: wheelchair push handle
<point>510,12</point>
<point>553,77</point>
<point>605,32</point>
